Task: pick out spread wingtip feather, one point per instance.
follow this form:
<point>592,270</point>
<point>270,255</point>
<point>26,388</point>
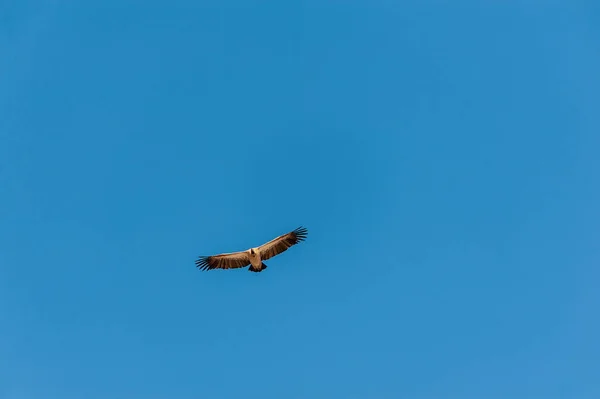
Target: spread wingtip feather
<point>203,263</point>
<point>301,233</point>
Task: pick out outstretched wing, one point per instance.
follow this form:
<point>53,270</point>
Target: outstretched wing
<point>282,243</point>
<point>232,260</point>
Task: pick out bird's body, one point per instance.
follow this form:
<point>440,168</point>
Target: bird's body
<point>256,264</point>
<point>253,256</point>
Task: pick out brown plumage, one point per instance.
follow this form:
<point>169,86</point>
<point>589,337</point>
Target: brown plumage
<point>253,256</point>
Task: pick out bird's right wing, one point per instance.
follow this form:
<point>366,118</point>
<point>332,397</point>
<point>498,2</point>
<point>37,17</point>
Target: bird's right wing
<point>281,244</point>
<point>232,260</point>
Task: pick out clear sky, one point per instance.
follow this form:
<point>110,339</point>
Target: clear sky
<point>444,158</point>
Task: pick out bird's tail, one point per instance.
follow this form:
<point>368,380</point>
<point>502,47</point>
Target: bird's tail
<point>262,267</point>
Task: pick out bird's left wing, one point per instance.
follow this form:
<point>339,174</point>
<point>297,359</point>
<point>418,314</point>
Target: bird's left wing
<point>282,243</point>
<point>232,260</point>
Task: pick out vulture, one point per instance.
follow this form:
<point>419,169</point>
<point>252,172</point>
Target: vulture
<point>253,256</point>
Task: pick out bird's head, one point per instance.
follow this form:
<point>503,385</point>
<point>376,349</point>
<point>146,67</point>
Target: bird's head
<point>252,251</point>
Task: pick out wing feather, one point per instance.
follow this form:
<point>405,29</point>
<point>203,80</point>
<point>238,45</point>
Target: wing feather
<point>232,260</point>
<point>282,243</point>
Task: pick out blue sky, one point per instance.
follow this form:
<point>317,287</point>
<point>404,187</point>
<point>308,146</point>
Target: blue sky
<point>443,157</point>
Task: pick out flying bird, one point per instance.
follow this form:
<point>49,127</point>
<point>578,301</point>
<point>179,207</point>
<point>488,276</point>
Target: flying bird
<point>253,256</point>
